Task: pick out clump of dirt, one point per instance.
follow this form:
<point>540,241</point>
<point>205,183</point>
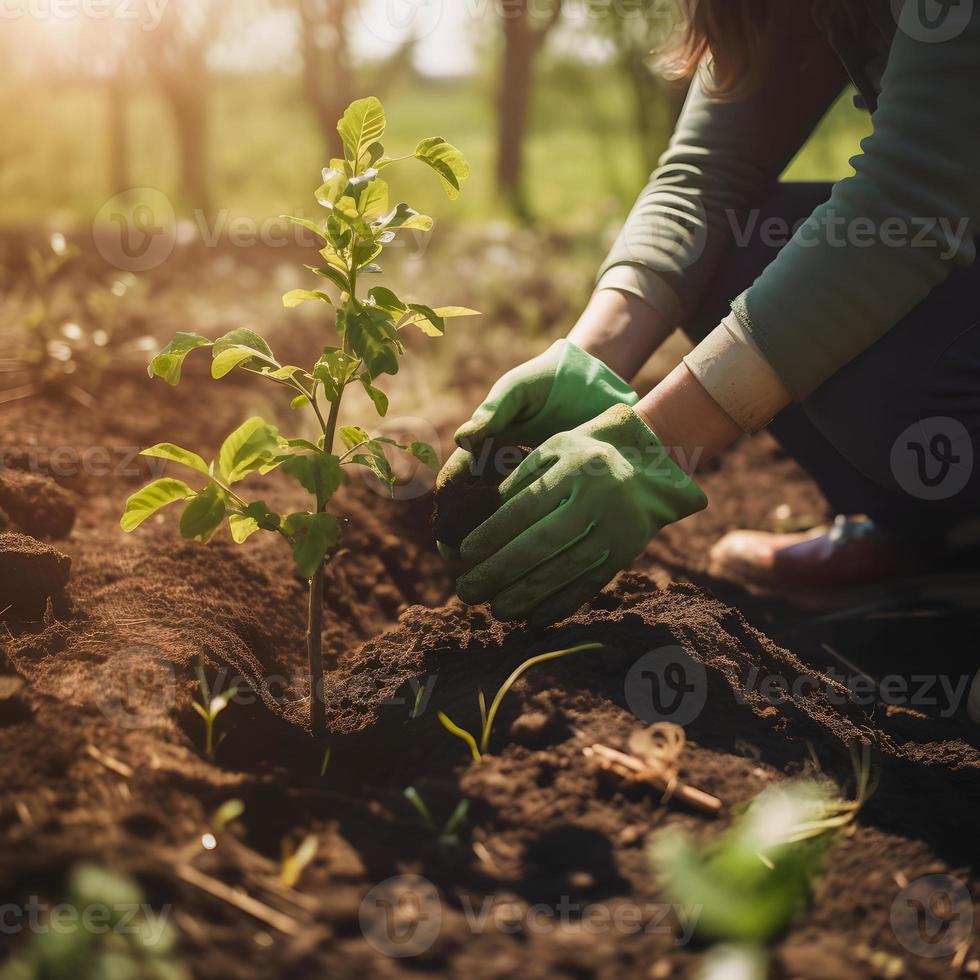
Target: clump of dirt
<point>37,505</point>
<point>466,496</point>
<point>30,573</point>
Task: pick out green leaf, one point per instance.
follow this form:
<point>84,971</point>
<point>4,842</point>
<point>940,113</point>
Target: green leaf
<point>448,312</point>
<point>314,535</point>
<point>333,371</point>
<point>230,358</point>
<point>353,435</point>
<point>376,395</point>
<point>384,299</point>
<point>378,464</point>
<point>320,474</point>
<point>362,125</point>
<point>305,223</point>
<point>300,401</point>
<point>332,257</point>
<point>168,362</point>
<point>338,234</point>
<point>167,450</point>
<point>284,373</point>
<point>373,201</point>
<point>146,502</point>
<point>296,296</point>
<point>337,277</point>
<point>423,317</point>
<point>203,515</point>
<point>373,338</point>
<point>242,528</point>
<point>406,218</point>
<point>365,253</point>
<point>429,322</point>
<point>253,445</point>
<point>333,187</point>
<point>255,517</point>
<point>241,347</point>
<point>243,337</point>
<point>448,162</point>
<point>425,454</point>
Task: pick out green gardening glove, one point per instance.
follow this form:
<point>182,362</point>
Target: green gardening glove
<point>552,392</point>
<point>578,510</point>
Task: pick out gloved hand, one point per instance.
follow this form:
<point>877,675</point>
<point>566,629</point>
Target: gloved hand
<point>551,393</point>
<point>578,510</point>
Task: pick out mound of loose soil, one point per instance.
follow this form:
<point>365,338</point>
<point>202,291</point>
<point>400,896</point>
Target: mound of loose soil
<point>36,504</point>
<point>30,573</point>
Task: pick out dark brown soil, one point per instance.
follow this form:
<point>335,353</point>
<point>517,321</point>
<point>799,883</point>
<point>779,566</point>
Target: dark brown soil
<point>37,505</point>
<point>31,573</point>
<point>101,751</point>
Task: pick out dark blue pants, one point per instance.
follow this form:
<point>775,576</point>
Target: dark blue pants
<point>895,433</point>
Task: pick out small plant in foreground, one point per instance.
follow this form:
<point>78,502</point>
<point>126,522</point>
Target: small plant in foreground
<point>360,222</point>
<point>448,836</point>
<point>295,859</point>
<point>487,717</point>
<point>131,940</point>
<point>210,707</point>
<point>758,876</point>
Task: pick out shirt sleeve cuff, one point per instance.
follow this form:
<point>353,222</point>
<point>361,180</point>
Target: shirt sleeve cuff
<point>645,285</point>
<point>733,371</point>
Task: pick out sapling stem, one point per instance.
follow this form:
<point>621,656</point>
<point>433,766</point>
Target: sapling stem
<point>314,627</point>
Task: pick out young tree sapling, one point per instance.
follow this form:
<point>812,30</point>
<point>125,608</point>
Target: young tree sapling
<point>360,222</point>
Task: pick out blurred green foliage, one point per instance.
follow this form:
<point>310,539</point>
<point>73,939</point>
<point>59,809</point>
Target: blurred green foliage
<point>585,162</point>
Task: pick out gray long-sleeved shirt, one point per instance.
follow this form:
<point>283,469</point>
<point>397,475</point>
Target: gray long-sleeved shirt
<point>886,237</point>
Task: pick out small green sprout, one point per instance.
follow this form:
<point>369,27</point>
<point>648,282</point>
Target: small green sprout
<point>487,717</point>
<point>325,764</point>
<point>758,876</point>
<point>360,222</point>
<point>226,814</point>
<point>448,836</point>
<point>210,707</point>
<point>295,861</point>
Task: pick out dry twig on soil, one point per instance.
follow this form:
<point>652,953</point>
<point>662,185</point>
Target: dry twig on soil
<point>658,750</point>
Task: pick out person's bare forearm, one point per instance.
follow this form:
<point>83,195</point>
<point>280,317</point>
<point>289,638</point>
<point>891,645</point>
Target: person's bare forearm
<point>687,419</point>
<point>620,330</point>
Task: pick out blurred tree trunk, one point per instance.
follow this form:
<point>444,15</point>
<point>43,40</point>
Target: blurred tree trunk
<point>117,132</point>
<point>326,64</point>
<point>189,109</point>
<point>523,39</point>
<point>636,32</point>
<point>330,80</point>
<point>176,58</point>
